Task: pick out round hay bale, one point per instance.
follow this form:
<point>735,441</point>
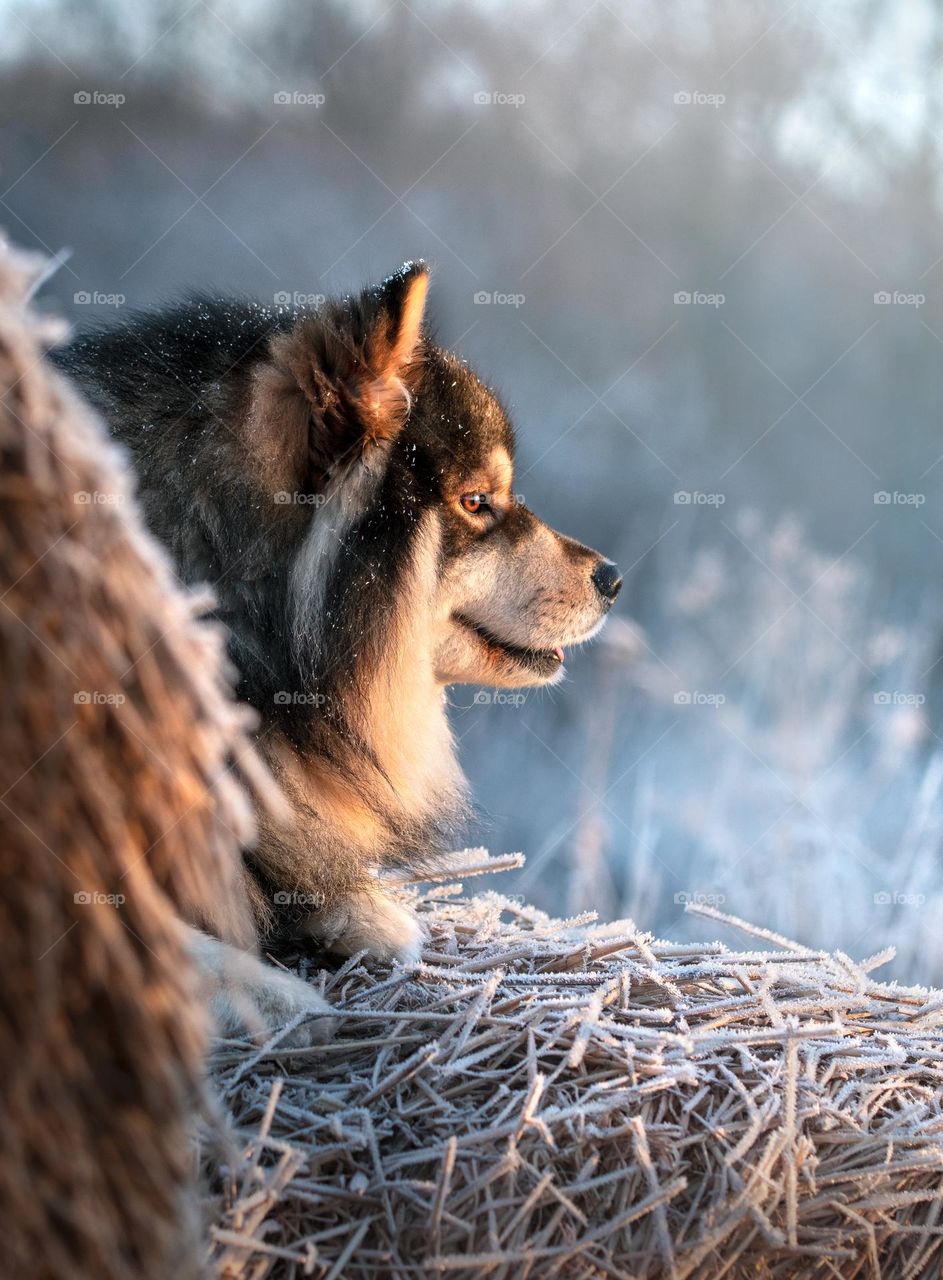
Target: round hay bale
<point>118,812</point>
<point>554,1098</point>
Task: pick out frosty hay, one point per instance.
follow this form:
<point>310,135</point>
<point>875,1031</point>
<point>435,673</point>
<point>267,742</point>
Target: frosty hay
<point>548,1098</point>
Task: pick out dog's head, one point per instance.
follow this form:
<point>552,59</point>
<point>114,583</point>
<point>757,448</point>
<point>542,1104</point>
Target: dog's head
<point>402,447</point>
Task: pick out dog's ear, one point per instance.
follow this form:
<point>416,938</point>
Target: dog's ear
<point>347,375</point>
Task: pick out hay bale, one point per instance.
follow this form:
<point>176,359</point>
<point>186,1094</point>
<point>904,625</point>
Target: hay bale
<point>555,1098</point>
<point>117,809</point>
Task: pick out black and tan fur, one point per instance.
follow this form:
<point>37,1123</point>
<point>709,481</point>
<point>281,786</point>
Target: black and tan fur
<point>321,470</point>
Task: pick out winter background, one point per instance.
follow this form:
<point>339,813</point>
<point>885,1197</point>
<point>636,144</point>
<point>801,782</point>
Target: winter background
<point>698,249</point>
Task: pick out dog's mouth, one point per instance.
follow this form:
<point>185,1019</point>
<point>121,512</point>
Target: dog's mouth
<point>542,662</point>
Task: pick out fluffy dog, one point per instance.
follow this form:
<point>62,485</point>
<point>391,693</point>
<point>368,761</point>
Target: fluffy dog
<point>346,487</point>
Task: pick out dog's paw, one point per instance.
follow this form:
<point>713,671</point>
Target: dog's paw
<point>370,922</point>
<point>248,996</point>
<point>281,998</point>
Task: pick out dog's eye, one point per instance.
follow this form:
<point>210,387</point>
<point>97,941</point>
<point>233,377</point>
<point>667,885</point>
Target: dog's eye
<point>475,503</point>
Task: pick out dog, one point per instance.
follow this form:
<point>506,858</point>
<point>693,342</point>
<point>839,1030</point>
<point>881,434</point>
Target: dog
<point>346,487</point>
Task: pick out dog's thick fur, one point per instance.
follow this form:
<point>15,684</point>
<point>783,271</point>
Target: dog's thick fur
<point>120,813</point>
<point>345,487</point>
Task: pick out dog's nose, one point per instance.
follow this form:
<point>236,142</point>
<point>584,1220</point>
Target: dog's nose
<point>607,580</point>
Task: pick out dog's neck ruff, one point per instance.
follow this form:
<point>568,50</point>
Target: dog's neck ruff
<point>383,734</point>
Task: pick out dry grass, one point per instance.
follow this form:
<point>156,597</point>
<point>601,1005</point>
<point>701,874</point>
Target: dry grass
<point>555,1098</point>
<point>119,809</point>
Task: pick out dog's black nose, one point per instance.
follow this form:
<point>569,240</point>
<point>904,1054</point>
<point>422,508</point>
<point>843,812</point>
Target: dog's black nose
<point>607,580</point>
